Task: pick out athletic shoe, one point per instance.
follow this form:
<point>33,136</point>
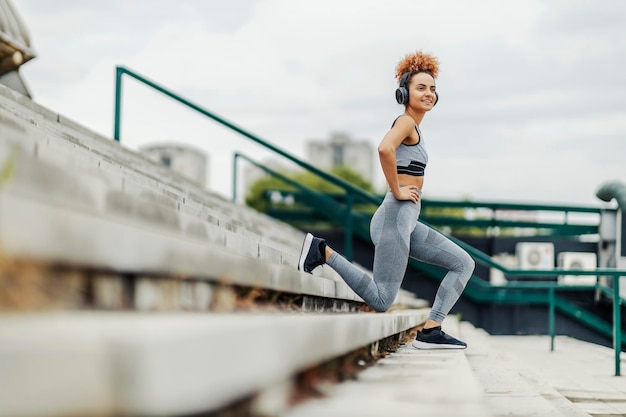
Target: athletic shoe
<point>312,253</point>
<point>435,338</point>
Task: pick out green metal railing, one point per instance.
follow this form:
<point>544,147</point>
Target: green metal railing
<point>120,71</point>
<point>487,220</point>
<point>345,214</point>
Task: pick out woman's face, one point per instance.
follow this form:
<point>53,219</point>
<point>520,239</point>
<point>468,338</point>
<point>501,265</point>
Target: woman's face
<point>422,92</point>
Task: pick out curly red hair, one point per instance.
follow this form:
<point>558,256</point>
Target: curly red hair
<point>418,61</point>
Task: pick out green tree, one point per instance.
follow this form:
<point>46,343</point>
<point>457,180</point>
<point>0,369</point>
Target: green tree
<point>257,197</point>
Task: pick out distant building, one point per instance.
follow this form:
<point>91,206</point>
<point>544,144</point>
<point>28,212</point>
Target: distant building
<point>340,149</point>
<point>188,161</point>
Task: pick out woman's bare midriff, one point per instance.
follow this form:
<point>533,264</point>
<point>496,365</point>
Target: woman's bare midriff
<point>410,181</point>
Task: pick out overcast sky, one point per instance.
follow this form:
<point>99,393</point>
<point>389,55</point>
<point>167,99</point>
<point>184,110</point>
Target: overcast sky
<point>533,92</point>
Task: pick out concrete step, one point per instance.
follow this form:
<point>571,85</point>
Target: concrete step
<point>136,364</point>
<point>407,382</point>
<point>35,228</point>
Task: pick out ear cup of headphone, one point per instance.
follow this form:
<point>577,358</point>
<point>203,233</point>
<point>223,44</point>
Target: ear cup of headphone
<point>402,95</point>
<point>436,98</point>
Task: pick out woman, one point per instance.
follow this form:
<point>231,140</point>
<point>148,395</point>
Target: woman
<point>394,228</point>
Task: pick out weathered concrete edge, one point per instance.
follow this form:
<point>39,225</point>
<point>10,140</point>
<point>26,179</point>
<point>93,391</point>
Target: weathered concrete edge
<point>31,229</point>
<point>169,364</point>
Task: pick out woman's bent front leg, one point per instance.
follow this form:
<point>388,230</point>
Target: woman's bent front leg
<point>430,246</point>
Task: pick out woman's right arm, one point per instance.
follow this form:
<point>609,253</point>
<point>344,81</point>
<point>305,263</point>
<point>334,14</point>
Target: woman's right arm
<point>387,155</point>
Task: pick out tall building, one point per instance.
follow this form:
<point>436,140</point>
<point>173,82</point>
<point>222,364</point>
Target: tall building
<point>340,149</point>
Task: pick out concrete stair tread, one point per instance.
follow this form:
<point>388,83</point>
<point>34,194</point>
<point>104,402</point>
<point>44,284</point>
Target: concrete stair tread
<point>168,364</point>
<point>582,372</point>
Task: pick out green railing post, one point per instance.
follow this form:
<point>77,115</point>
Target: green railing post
<point>348,226</point>
<point>551,325</point>
<point>118,103</point>
<point>617,325</point>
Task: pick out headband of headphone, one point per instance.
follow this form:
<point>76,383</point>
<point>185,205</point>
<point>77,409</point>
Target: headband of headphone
<point>402,92</point>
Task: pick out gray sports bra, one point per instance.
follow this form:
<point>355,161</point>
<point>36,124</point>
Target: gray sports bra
<point>412,159</point>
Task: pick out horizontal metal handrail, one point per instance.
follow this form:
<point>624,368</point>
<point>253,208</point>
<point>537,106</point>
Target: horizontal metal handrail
<point>503,206</point>
<point>120,71</point>
<point>514,206</point>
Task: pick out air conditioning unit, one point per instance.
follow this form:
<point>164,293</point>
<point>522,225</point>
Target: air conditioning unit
<point>535,255</point>
<point>496,277</point>
<point>577,260</point>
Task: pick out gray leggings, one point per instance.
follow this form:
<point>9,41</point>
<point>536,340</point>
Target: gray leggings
<point>397,234</point>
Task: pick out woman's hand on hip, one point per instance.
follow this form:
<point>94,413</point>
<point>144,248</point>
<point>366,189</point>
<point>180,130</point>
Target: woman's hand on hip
<point>408,193</point>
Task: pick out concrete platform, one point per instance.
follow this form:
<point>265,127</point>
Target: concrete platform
<point>577,377</point>
<point>506,378</point>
